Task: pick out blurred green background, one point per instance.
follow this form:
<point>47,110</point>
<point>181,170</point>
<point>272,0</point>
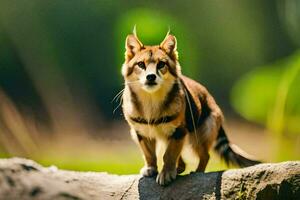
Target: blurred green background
<point>60,65</point>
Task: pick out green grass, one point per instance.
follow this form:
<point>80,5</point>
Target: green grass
<point>114,163</point>
<point>110,165</point>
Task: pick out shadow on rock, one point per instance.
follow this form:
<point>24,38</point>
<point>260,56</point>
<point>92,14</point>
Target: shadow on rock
<point>193,186</point>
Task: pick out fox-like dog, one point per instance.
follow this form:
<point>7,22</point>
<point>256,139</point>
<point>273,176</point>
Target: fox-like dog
<point>159,103</point>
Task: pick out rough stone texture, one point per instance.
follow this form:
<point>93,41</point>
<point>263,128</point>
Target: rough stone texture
<point>25,179</point>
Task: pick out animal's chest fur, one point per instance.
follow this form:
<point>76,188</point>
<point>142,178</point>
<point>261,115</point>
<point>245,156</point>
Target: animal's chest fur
<point>151,108</point>
<point>161,131</point>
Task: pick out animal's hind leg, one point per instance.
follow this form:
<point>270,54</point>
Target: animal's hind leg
<point>204,158</point>
<point>200,147</point>
<point>204,138</point>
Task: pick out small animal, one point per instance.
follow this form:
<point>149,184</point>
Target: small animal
<point>160,104</point>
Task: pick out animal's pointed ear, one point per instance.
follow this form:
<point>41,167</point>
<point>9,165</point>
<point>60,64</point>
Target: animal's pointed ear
<point>133,45</point>
<point>169,44</point>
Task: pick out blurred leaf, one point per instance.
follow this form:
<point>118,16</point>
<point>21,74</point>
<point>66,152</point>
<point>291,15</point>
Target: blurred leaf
<point>253,95</point>
<point>270,95</point>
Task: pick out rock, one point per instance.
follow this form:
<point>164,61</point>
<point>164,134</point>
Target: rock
<point>25,179</point>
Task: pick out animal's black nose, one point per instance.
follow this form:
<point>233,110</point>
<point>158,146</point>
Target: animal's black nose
<point>151,77</point>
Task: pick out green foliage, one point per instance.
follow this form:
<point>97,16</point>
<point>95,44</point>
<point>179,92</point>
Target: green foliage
<point>270,95</point>
<point>290,16</point>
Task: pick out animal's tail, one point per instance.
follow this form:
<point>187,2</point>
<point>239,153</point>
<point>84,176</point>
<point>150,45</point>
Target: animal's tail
<point>231,153</point>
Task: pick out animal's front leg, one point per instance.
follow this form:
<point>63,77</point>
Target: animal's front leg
<point>147,146</point>
<point>170,157</point>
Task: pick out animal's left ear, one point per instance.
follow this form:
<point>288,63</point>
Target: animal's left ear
<point>133,45</point>
<point>169,45</point>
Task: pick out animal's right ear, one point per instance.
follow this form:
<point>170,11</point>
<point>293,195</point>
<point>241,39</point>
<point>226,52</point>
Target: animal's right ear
<point>133,45</point>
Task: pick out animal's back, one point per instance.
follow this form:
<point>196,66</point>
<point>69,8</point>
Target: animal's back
<point>200,104</point>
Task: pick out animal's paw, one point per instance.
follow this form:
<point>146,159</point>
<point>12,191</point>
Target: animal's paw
<point>149,171</point>
<point>166,176</point>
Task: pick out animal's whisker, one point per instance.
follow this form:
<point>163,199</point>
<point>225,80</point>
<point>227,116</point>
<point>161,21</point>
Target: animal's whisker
<point>118,95</point>
<point>120,103</point>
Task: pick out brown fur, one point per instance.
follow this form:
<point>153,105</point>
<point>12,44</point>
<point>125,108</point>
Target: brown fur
<point>173,108</point>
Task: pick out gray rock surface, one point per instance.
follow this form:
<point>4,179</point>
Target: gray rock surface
<point>25,179</point>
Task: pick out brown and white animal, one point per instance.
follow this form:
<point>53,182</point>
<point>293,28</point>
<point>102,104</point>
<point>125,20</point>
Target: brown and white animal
<point>161,104</point>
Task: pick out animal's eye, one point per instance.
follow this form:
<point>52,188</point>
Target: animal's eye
<point>161,64</point>
<point>141,65</point>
